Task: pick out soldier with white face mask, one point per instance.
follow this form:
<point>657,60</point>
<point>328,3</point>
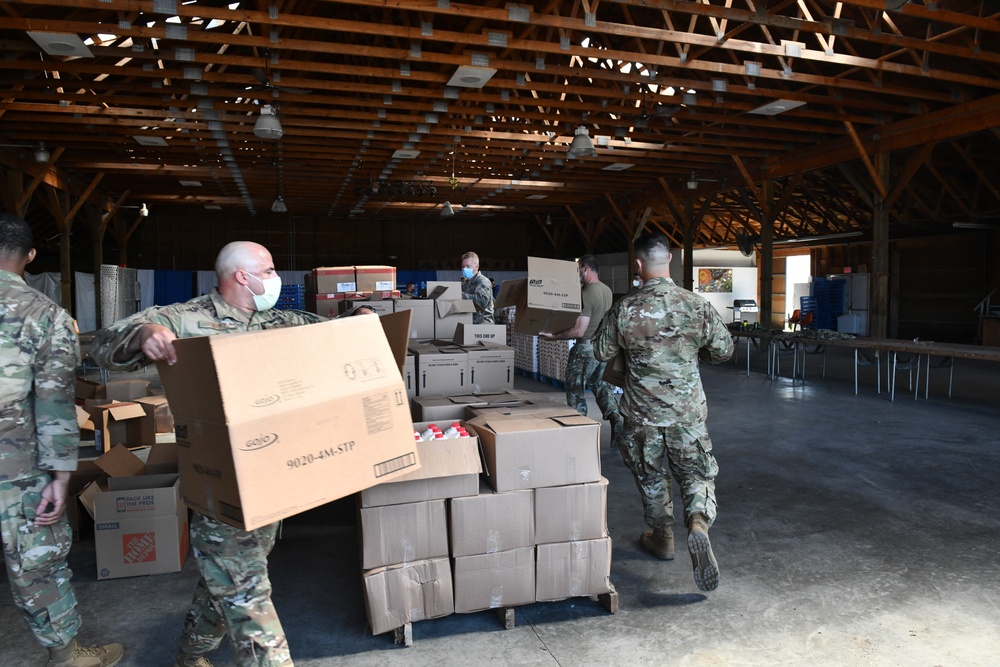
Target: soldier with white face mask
<point>234,593</point>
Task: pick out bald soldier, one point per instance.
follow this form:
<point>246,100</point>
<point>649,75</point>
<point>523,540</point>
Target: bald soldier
<point>234,592</point>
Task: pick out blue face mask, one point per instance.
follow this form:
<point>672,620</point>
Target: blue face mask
<point>467,273</point>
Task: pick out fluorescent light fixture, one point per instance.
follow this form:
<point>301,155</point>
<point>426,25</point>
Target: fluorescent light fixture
<point>821,237</point>
<point>976,225</point>
<point>618,166</point>
<point>267,125</point>
<point>776,107</point>
<point>405,154</point>
<point>150,141</point>
<point>467,76</point>
<point>61,44</point>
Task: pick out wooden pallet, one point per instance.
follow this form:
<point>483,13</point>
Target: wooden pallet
<point>609,600</point>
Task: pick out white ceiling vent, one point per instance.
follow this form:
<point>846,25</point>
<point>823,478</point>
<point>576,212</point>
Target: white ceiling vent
<point>467,76</point>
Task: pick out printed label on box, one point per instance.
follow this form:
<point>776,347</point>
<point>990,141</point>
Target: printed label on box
<point>347,287</point>
<point>386,285</point>
<point>138,548</point>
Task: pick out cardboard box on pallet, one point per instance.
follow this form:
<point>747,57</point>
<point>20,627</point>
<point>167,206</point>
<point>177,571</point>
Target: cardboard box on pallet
<point>422,322</point>
<point>440,370</point>
<point>489,522</point>
<point>473,334</point>
<point>448,468</point>
<point>140,526</point>
<point>491,581</point>
<point>376,278</point>
<point>572,569</point>
<point>326,417</point>
<point>410,375</point>
<point>406,593</point>
<point>547,300</point>
<point>491,367</point>
<point>393,534</point>
<point>527,451</point>
<point>330,279</point>
<point>571,513</point>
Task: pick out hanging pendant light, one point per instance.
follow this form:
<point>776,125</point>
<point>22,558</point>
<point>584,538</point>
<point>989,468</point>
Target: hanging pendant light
<point>582,145</point>
<point>267,125</point>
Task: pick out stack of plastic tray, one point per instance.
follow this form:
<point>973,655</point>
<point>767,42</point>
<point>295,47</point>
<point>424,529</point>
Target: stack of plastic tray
<point>829,302</point>
<point>292,297</point>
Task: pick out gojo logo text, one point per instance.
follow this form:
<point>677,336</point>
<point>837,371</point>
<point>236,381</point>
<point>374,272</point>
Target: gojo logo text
<point>260,442</point>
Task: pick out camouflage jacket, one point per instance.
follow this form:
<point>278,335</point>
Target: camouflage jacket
<point>39,354</point>
<point>663,330</point>
<point>480,290</point>
<point>201,316</point>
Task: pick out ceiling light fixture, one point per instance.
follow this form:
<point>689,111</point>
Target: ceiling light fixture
<point>582,146</point>
<point>267,125</point>
<point>279,205</point>
<point>447,211</point>
<point>41,155</point>
<point>143,211</point>
<point>692,183</point>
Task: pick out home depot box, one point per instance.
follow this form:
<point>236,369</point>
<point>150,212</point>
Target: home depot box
<point>448,468</point>
<point>526,451</point>
<point>329,279</point>
<point>422,320</point>
<point>440,370</point>
<point>491,366</point>
<point>122,424</point>
<point>547,300</point>
<point>572,569</point>
<point>325,417</point>
<point>571,513</point>
<point>401,594</point>
<point>375,278</point>
<point>489,522</point>
<point>490,581</point>
<point>140,526</point>
<point>393,534</point>
<point>472,334</point>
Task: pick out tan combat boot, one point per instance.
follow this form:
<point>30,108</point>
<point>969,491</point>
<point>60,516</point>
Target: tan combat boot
<point>659,542</point>
<point>73,655</point>
<point>188,660</point>
<point>706,569</point>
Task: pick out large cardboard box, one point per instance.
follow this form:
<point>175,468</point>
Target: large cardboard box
<point>401,594</point>
<point>528,451</point>
<point>326,416</point>
<point>123,424</point>
<point>422,321</point>
<point>450,309</point>
<point>410,375</point>
<point>573,569</point>
<point>434,407</point>
<point>571,513</point>
<point>473,334</point>
<point>158,408</point>
<point>448,468</point>
<point>490,581</point>
<point>547,300</point>
<point>140,526</point>
<point>440,370</point>
<point>89,389</point>
<point>375,278</point>
<point>489,522</point>
<point>491,367</point>
<point>380,306</point>
<point>393,534</point>
<point>126,390</point>
<point>329,279</point>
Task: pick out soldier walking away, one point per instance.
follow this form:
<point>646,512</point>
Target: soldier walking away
<point>234,592</point>
<point>664,330</point>
<point>583,370</point>
<point>39,444</point>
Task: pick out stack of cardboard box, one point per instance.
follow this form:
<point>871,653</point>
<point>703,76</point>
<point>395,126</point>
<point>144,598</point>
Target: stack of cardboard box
<point>328,286</point>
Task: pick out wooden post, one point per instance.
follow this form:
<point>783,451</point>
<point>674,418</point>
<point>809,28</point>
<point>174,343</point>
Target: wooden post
<point>690,227</point>
<point>880,254</point>
<point>766,317</point>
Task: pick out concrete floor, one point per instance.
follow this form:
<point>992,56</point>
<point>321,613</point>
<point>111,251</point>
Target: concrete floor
<point>852,531</point>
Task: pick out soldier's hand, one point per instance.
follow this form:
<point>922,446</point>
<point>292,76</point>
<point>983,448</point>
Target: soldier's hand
<point>53,500</point>
<point>157,343</point>
<point>545,335</point>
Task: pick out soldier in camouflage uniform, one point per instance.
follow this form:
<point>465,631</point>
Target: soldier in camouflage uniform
<point>39,443</point>
<point>234,593</point>
<point>477,288</point>
<point>664,330</point>
<point>583,370</point>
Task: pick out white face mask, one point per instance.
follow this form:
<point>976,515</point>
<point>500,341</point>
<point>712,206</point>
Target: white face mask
<point>272,290</point>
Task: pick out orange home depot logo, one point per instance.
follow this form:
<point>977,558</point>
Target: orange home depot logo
<point>138,548</point>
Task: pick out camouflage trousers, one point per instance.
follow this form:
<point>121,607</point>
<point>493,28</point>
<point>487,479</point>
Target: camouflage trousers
<point>583,372</point>
<point>654,453</point>
<point>36,563</point>
<point>234,595</point>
